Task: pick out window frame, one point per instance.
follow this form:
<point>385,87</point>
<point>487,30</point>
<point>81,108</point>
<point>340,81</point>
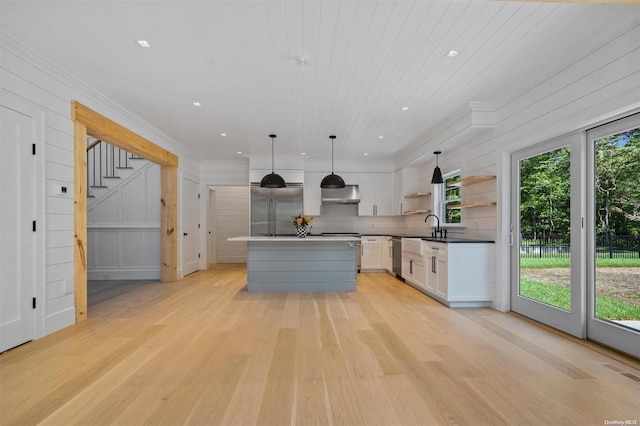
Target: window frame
<point>440,201</point>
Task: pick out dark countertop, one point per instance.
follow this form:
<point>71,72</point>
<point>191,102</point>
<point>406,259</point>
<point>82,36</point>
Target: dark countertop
<point>447,240</point>
<point>455,240</point>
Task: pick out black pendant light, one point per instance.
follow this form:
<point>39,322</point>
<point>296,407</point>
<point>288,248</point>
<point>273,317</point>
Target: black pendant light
<point>272,180</point>
<point>437,174</point>
<point>332,181</point>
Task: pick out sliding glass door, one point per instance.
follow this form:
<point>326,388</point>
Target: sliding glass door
<point>548,198</point>
<point>576,234</point>
<point>613,264</point>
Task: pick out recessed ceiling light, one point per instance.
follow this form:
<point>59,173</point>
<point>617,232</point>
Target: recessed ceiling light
<point>143,43</point>
<point>303,153</point>
<point>239,152</point>
<point>380,137</point>
<point>223,134</point>
<point>453,53</point>
<point>365,154</point>
<point>197,104</point>
<point>405,108</point>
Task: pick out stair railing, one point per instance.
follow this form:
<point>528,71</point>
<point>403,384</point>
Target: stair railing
<point>103,160</point>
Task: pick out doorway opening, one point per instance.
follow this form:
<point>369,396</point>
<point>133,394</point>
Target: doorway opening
<point>90,123</point>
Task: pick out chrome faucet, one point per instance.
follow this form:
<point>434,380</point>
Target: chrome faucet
<point>438,232</point>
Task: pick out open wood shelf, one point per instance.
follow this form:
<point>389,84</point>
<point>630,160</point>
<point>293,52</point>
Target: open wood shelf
<point>417,195</point>
<point>471,180</point>
<point>471,205</point>
<point>416,211</point>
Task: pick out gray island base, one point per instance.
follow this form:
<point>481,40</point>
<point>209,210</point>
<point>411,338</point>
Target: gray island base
<point>283,264</point>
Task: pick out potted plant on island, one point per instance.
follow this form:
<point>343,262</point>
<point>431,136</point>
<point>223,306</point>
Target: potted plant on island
<point>302,224</point>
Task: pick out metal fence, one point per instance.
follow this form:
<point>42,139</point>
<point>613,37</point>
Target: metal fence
<point>609,246</point>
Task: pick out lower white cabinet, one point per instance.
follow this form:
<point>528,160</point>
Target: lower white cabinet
<point>460,274</point>
<point>413,266</point>
<point>372,253</point>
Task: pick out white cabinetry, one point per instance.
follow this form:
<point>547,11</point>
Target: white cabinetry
<point>376,194</point>
<point>372,253</point>
<point>312,194</point>
<point>413,266</point>
<point>460,274</point>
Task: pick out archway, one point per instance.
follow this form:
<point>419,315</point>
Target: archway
<point>87,122</point>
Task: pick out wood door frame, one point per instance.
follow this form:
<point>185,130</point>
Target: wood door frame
<point>87,122</point>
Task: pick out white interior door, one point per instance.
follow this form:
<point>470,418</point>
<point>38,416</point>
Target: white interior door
<point>211,228</point>
<point>189,227</point>
<point>17,236</point>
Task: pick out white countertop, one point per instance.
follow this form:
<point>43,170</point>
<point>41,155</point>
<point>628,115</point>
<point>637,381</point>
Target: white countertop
<point>313,238</point>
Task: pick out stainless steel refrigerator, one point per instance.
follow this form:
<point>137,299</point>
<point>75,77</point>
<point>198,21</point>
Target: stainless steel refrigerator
<point>273,209</point>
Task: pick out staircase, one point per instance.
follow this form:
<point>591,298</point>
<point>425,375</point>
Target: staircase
<point>106,166</point>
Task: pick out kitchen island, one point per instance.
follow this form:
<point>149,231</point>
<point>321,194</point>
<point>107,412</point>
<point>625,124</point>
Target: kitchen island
<point>314,263</point>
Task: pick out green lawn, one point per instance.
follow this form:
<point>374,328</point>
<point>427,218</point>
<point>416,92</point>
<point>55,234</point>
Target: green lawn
<point>563,262</point>
<point>559,296</point>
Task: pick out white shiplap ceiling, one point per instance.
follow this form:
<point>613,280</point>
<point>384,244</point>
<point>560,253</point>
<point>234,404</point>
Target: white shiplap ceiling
<point>364,61</point>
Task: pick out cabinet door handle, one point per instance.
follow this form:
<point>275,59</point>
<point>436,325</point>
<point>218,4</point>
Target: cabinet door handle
<point>411,266</point>
<point>185,234</point>
<point>433,264</point>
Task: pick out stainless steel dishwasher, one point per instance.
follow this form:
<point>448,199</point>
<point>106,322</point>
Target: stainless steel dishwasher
<point>396,257</point>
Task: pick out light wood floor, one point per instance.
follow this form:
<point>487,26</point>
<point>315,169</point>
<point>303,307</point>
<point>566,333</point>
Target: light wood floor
<point>204,351</point>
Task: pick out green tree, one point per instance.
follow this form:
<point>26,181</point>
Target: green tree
<point>617,183</point>
<point>545,193</point>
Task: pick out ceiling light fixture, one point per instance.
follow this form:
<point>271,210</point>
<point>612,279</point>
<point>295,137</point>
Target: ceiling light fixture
<point>332,181</point>
<point>453,53</point>
<point>223,134</point>
<point>239,152</point>
<point>380,137</point>
<point>365,154</point>
<point>405,108</point>
<point>197,104</point>
<point>272,180</point>
<point>437,174</point>
<point>143,43</point>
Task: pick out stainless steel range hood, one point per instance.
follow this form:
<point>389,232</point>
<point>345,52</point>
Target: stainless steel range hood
<point>350,194</point>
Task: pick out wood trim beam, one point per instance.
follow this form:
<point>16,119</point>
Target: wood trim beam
<point>80,219</point>
<point>100,127</point>
<point>168,223</point>
<point>87,122</point>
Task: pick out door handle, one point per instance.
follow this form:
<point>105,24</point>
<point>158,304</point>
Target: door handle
<point>185,234</point>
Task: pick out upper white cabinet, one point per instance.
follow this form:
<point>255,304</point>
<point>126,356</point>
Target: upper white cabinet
<point>376,194</point>
<point>312,194</point>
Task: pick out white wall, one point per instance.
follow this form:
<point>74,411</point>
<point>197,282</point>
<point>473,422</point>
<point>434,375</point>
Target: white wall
<point>29,79</point>
<point>123,226</point>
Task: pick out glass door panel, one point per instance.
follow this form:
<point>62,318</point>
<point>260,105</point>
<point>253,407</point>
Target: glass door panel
<point>547,204</point>
<point>614,270</point>
<point>545,262</point>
